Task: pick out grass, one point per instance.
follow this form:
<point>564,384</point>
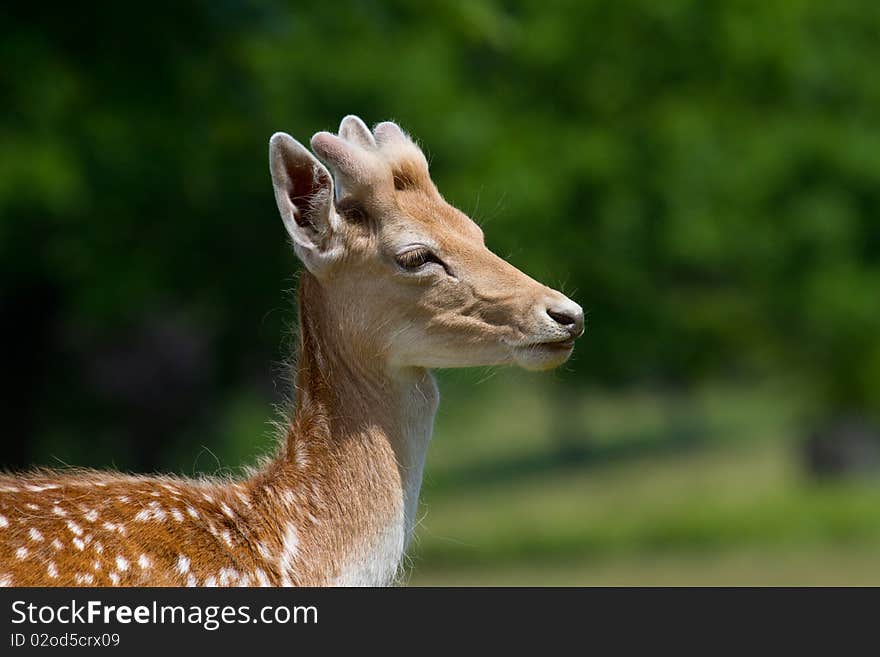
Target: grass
<point>840,566</point>
<point>635,488</point>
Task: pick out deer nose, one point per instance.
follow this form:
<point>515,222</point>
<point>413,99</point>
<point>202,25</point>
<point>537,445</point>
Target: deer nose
<point>569,316</point>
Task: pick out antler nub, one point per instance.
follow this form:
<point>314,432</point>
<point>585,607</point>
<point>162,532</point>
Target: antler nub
<point>361,159</point>
<point>356,131</point>
<point>389,132</point>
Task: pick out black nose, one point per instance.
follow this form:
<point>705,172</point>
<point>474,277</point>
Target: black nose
<point>561,318</point>
<point>571,320</point>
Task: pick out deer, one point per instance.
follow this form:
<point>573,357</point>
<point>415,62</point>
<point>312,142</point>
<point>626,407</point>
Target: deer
<point>395,283</point>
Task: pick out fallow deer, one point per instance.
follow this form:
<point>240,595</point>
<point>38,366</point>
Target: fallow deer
<point>396,282</point>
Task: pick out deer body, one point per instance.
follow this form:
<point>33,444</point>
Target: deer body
<point>396,282</point>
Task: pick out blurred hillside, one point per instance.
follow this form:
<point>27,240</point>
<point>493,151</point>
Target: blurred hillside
<point>702,176</point>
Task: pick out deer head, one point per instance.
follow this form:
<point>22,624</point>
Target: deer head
<point>409,276</point>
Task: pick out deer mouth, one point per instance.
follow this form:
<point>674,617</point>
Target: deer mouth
<point>543,355</point>
<point>560,345</point>
<point>563,344</point>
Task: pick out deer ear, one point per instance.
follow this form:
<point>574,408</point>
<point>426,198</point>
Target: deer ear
<point>304,193</point>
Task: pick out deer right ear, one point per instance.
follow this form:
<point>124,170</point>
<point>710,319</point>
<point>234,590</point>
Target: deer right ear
<point>304,194</point>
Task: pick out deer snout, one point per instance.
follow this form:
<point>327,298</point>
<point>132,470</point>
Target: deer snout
<point>566,314</point>
<point>559,321</point>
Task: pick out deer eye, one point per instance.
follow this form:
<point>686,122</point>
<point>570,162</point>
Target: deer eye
<point>416,258</point>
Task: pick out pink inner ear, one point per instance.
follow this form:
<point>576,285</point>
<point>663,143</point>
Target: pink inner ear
<point>300,178</point>
<point>306,184</point>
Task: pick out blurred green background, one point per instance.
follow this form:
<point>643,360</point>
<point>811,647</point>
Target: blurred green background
<point>702,176</point>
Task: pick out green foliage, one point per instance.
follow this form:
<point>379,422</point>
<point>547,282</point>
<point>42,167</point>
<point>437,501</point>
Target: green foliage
<point>703,176</point>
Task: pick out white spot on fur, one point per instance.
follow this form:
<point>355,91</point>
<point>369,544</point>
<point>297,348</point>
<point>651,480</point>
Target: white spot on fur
<point>79,543</point>
<point>32,507</point>
<point>121,563</point>
<point>182,564</point>
<point>99,547</point>
<point>144,562</point>
<point>91,515</point>
<point>301,455</point>
<point>153,512</point>
<point>289,551</point>
<point>40,489</point>
<point>84,578</point>
<point>226,510</point>
<point>35,535</point>
<point>3,522</point>
<point>114,577</point>
<point>76,529</point>
<point>96,565</point>
<point>57,544</point>
<point>227,576</point>
<point>211,582</point>
<point>52,570</point>
<point>191,580</point>
<point>192,512</point>
<point>58,511</point>
<point>21,553</point>
<point>226,537</point>
<point>177,515</point>
<point>5,580</point>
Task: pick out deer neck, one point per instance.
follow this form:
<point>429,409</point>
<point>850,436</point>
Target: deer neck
<point>355,450</point>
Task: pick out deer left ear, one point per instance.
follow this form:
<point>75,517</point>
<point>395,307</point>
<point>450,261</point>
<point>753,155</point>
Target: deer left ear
<point>304,194</point>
